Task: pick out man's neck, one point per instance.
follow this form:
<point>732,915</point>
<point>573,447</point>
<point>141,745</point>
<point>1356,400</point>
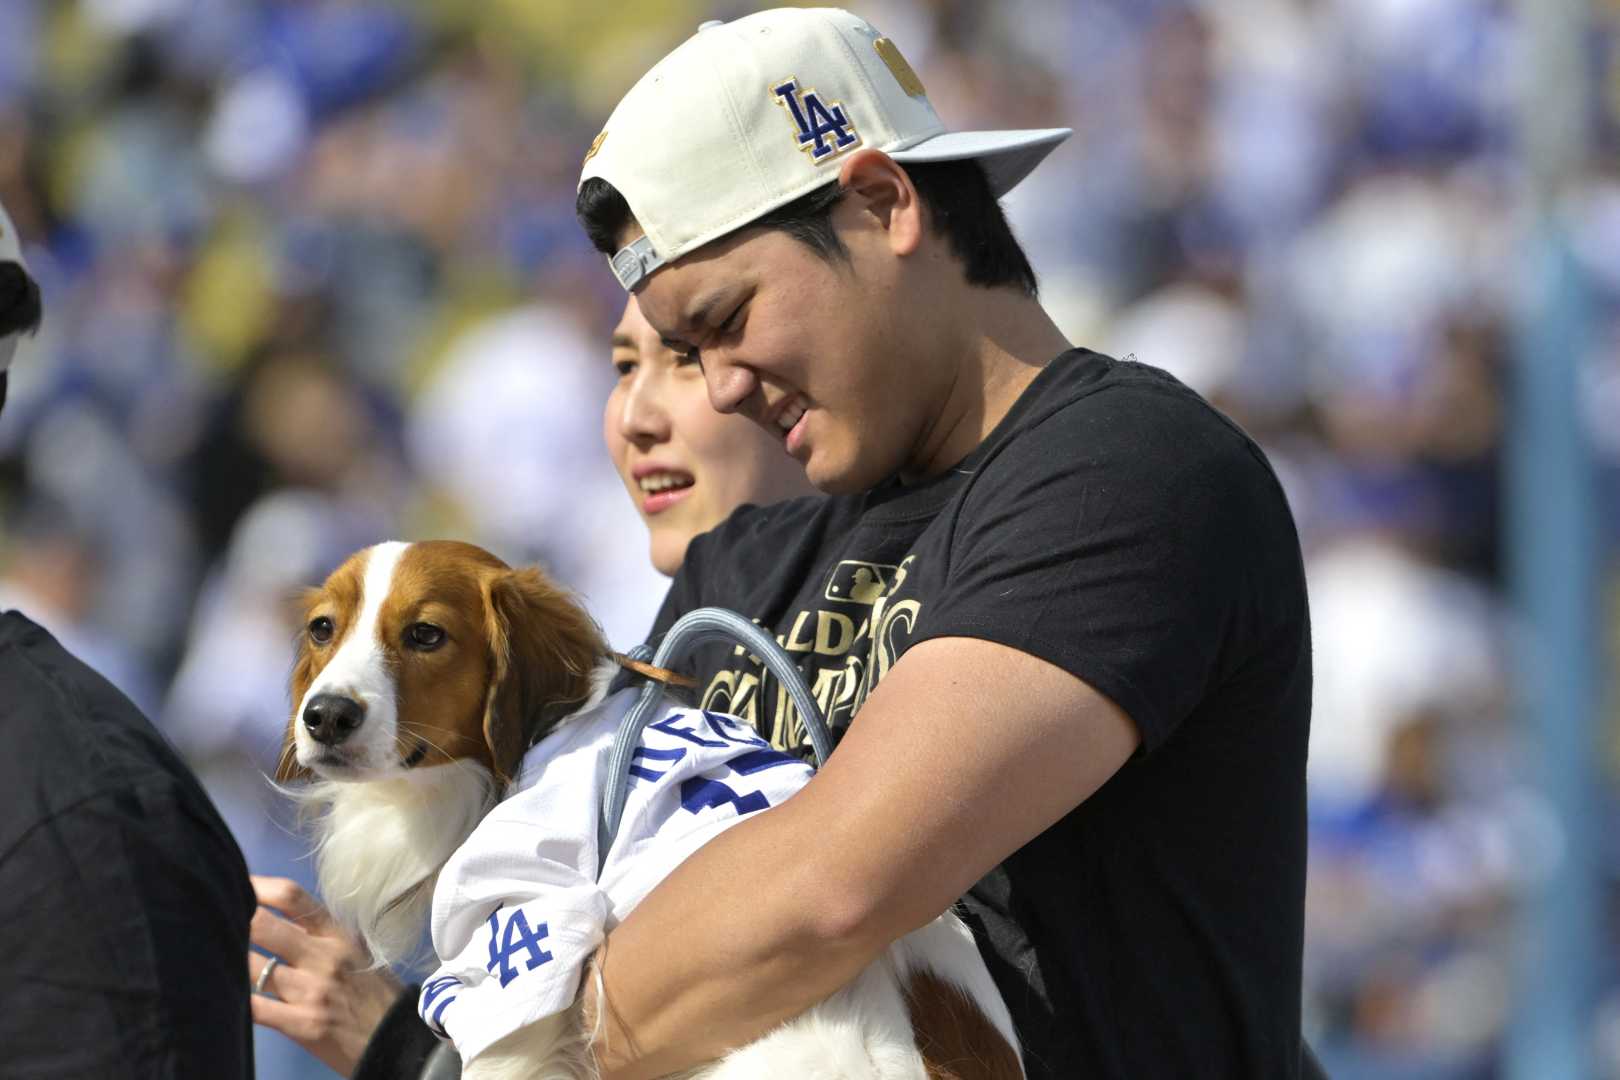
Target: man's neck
<point>1011,339</point>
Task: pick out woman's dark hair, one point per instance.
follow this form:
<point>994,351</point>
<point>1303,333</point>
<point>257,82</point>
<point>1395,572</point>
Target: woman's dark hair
<point>957,195</point>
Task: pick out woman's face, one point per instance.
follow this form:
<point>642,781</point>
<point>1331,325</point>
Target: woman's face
<point>686,466</point>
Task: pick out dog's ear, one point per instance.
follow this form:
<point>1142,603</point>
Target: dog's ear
<point>297,609</point>
<point>543,647</point>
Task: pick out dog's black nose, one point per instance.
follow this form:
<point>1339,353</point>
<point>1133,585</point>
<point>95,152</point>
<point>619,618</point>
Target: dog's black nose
<point>330,718</point>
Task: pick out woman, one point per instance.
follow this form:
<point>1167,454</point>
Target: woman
<point>686,467</point>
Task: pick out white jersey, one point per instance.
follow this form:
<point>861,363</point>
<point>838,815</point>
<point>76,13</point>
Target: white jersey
<point>519,907</point>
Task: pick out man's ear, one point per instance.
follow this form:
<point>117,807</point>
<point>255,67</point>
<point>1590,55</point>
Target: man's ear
<point>303,673</point>
<point>543,647</point>
<point>882,187</point>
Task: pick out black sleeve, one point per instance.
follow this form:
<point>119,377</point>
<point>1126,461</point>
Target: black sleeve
<point>400,1046</point>
<point>125,923</point>
<point>1116,539</point>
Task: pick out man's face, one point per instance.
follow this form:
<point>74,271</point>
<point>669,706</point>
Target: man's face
<point>813,351</point>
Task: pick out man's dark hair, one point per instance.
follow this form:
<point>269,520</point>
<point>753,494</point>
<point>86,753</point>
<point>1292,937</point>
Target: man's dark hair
<point>956,195</point>
<point>20,310</point>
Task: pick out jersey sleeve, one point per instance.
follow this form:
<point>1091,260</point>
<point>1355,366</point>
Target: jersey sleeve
<point>1119,539</point>
<point>521,963</point>
<point>517,911</point>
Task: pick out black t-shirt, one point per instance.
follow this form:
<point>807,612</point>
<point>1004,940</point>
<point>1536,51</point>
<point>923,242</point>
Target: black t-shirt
<point>124,901</point>
<point>1117,526</point>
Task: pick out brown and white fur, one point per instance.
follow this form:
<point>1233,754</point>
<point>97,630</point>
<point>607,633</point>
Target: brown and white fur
<point>424,673</point>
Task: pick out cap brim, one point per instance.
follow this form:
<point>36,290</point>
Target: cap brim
<point>1007,156</point>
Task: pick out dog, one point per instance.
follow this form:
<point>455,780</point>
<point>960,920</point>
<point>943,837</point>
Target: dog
<point>451,718</point>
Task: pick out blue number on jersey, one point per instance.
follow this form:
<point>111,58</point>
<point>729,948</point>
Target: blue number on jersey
<point>517,937</point>
<point>759,760</point>
<point>432,990</point>
<point>645,754</point>
<point>667,726</point>
<point>723,724</point>
<point>701,793</point>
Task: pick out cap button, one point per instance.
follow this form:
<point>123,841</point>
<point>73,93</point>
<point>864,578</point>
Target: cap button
<point>711,24</point>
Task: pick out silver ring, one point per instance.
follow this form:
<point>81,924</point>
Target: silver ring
<point>264,974</point>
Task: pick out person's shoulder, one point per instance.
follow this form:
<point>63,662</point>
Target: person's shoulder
<point>1092,426</point>
<point>18,631</point>
<point>1081,380</point>
<point>1100,404</point>
<point>72,731</point>
<point>47,685</point>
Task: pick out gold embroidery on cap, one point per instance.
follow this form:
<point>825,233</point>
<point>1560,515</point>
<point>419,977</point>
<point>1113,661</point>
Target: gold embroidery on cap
<point>902,71</point>
<point>596,144</point>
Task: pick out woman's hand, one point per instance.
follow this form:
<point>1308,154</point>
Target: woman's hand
<point>327,996</point>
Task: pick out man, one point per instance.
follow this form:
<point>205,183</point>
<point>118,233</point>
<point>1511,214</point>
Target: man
<point>1056,604</point>
<point>124,901</point>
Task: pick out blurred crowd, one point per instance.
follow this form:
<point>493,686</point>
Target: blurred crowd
<point>313,279</point>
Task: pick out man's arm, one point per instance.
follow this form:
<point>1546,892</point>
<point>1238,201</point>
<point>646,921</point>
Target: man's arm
<point>965,751</point>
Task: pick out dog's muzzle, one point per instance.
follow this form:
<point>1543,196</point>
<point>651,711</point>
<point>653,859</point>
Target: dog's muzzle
<point>331,718</point>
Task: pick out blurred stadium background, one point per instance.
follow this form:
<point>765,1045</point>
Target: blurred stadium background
<point>313,279</point>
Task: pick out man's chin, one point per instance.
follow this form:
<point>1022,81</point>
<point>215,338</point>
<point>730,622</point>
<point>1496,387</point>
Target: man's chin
<point>840,479</point>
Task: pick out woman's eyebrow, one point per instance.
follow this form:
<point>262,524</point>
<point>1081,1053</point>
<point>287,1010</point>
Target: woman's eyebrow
<point>621,340</point>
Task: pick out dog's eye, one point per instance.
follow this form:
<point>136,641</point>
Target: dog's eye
<point>320,630</point>
<point>424,635</point>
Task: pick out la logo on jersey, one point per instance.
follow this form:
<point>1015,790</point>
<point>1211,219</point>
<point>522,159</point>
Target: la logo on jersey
<point>824,130</point>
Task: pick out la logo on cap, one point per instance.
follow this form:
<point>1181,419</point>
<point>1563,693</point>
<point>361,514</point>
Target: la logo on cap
<point>815,121</point>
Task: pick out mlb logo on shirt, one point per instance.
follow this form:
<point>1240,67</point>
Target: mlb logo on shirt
<point>815,121</point>
<point>855,582</point>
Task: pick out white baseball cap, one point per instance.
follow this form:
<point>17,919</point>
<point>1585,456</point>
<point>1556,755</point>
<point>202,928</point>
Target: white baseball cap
<point>748,115</point>
<point>10,251</point>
